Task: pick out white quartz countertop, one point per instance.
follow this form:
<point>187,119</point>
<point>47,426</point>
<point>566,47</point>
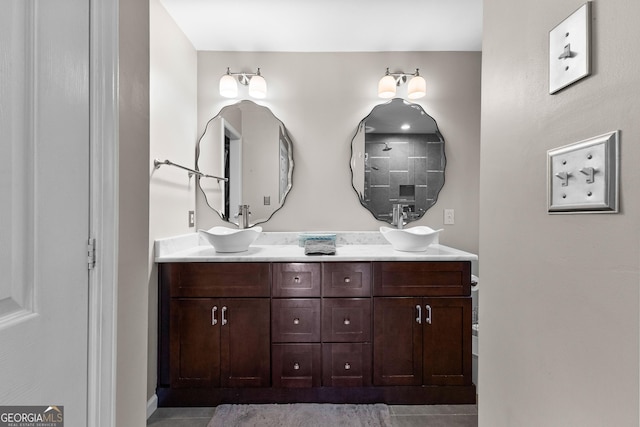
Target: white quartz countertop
<point>275,247</point>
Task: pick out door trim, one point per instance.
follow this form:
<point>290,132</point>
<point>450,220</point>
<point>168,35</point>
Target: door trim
<point>103,220</point>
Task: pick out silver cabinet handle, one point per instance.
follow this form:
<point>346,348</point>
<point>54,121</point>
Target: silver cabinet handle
<point>296,366</point>
<point>347,280</point>
<point>224,320</point>
<point>347,366</point>
<point>296,279</point>
<point>347,321</point>
<point>296,321</point>
<point>214,321</point>
<point>419,318</point>
<point>428,307</point>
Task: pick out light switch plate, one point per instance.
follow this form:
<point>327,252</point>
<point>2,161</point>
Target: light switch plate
<point>583,177</point>
<point>570,49</point>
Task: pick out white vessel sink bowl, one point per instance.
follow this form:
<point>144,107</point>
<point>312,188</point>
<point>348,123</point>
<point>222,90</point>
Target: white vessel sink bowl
<point>413,239</point>
<point>225,239</point>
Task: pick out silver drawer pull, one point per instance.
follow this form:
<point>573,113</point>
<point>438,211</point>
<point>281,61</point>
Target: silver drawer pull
<point>296,366</point>
<point>347,279</point>
<point>214,321</point>
<point>224,320</point>
<point>347,321</point>
<point>296,279</point>
<point>296,321</point>
<point>419,318</point>
<point>428,307</point>
<point>347,366</point>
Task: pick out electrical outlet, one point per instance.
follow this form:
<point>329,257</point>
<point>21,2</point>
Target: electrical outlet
<point>449,217</point>
<point>192,219</point>
<point>583,177</point>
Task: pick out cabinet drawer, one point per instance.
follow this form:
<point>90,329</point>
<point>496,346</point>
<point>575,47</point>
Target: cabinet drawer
<point>346,279</point>
<point>296,280</point>
<point>295,320</point>
<point>449,278</point>
<point>235,279</point>
<point>346,320</point>
<point>346,365</point>
<point>296,365</point>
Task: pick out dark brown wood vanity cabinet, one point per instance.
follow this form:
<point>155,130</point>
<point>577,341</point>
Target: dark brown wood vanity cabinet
<point>279,332</point>
<point>422,329</point>
<point>218,332</point>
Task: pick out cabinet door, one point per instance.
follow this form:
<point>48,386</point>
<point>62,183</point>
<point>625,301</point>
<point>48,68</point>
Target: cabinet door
<point>447,341</point>
<point>245,342</point>
<point>397,342</point>
<point>195,343</point>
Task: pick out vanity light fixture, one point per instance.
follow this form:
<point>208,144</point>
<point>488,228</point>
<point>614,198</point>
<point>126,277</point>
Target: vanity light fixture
<point>257,84</point>
<point>417,87</point>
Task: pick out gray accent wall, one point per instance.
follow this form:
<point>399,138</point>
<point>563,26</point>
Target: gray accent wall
<point>559,294</point>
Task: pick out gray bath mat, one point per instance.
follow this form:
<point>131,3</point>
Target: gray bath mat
<point>302,414</point>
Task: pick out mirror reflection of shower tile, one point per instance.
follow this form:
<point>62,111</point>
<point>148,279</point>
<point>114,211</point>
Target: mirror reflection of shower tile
<point>435,180</point>
<point>420,171</point>
<point>435,156</point>
<point>407,191</point>
<point>420,147</point>
<point>421,198</point>
<point>379,199</point>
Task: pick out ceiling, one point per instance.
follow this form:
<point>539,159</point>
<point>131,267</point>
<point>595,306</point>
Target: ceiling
<point>330,25</point>
<point>387,118</point>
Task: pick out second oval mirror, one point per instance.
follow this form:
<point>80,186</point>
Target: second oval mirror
<point>249,146</point>
<point>397,157</point>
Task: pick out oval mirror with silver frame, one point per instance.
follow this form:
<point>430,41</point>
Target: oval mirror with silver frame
<point>249,146</point>
<point>397,157</point>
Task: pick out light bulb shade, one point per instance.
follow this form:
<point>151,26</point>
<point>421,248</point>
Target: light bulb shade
<point>228,86</point>
<point>258,87</point>
<point>417,87</point>
<point>387,87</point>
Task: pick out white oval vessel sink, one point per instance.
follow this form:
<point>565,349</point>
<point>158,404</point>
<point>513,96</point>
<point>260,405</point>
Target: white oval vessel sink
<point>413,239</point>
<point>225,239</point>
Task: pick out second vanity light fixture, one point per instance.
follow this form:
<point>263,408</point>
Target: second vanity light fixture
<point>417,87</point>
<point>257,84</point>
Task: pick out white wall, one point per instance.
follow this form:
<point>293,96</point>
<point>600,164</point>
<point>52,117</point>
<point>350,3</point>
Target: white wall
<point>133,214</point>
<point>560,301</point>
<point>173,134</point>
<point>321,98</point>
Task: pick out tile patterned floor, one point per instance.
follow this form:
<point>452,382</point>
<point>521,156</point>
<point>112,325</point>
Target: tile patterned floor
<point>401,416</point>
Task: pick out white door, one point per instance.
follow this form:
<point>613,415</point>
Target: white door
<point>44,204</point>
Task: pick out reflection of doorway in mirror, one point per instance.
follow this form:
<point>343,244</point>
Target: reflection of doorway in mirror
<point>232,158</point>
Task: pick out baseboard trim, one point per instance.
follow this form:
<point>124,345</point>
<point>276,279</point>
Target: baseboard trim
<point>152,405</point>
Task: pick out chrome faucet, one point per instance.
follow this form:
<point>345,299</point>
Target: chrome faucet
<point>398,215</point>
<point>243,211</point>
